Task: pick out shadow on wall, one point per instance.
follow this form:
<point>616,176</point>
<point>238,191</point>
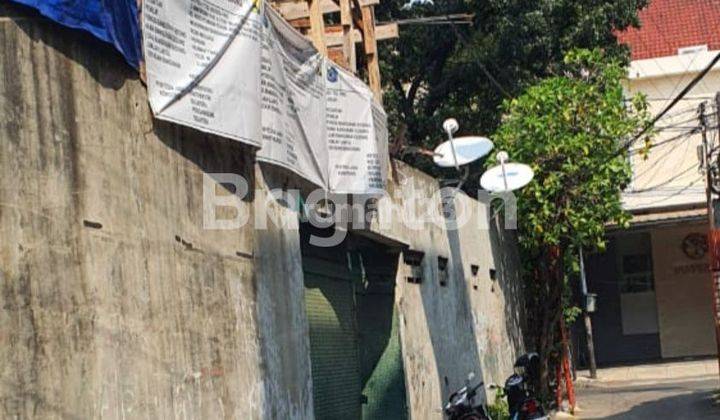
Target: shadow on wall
<point>448,311</point>
<point>212,154</point>
<point>507,264</point>
<point>282,319</point>
<point>381,365</point>
<point>76,45</point>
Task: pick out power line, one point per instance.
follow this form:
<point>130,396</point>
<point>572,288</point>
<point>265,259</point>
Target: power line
<point>666,182</point>
<point>675,100</point>
<point>691,98</point>
<point>457,18</point>
<point>678,137</point>
<point>688,110</point>
<point>484,69</point>
<point>681,77</point>
<point>652,170</point>
<point>681,191</point>
<point>675,124</point>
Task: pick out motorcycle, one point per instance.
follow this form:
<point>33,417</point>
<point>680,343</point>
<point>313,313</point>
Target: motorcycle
<point>520,392</point>
<point>461,405</point>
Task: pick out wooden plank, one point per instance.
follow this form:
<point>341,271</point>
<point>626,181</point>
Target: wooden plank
<point>348,43</point>
<point>387,31</point>
<point>317,26</point>
<point>334,36</point>
<point>368,20</point>
<point>370,44</point>
<point>336,55</point>
<point>298,10</point>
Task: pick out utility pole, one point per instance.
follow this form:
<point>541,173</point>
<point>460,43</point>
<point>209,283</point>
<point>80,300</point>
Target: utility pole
<point>713,231</point>
<point>588,321</point>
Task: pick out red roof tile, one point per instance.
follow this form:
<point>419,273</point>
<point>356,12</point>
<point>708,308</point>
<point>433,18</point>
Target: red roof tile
<point>668,25</point>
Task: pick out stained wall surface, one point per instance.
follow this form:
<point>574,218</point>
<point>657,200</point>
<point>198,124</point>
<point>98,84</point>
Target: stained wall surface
<point>117,302</point>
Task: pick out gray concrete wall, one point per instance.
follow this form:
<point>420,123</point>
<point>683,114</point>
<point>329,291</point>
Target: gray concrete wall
<point>116,303</point>
<point>474,323</point>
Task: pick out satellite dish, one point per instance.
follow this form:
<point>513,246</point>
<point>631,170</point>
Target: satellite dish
<point>506,176</point>
<point>461,151</point>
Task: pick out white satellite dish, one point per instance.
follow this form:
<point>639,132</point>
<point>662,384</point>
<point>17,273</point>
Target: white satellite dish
<point>460,151</point>
<point>467,150</point>
<point>506,176</point>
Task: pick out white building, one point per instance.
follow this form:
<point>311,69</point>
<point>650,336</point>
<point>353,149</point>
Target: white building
<point>653,284</point>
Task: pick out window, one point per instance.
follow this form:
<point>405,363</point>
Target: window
<point>636,284</point>
<point>634,262</point>
<point>636,274</point>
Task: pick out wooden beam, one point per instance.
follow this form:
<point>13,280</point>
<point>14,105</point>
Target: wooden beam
<point>334,35</point>
<point>371,56</point>
<point>317,26</point>
<point>297,10</point>
<point>348,43</point>
<point>387,31</point>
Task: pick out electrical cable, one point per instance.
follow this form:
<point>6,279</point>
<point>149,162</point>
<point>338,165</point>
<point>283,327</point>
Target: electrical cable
<point>681,191</point>
<point>484,69</point>
<point>674,102</point>
<point>665,141</point>
<point>457,18</point>
<point>656,166</point>
<point>666,182</point>
<point>682,75</point>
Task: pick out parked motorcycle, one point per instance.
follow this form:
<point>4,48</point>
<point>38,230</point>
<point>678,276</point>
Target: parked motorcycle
<point>461,403</point>
<point>520,392</point>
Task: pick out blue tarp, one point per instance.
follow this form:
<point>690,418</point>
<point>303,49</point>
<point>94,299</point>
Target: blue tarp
<point>113,21</point>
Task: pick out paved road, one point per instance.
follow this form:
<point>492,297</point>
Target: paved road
<point>666,399</point>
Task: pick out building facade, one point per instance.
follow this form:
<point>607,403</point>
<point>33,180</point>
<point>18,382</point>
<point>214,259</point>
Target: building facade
<point>653,283</point>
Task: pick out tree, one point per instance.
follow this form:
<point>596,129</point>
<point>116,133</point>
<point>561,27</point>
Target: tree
<point>465,71</point>
<point>573,130</point>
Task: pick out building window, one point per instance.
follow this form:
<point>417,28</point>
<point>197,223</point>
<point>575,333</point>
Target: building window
<point>637,274</point>
<point>638,307</point>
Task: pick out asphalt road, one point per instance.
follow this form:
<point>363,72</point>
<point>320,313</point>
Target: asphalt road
<point>628,400</point>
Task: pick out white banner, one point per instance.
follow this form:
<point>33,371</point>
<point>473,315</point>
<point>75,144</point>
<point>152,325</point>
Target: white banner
<point>356,133</point>
<point>203,65</point>
<point>222,67</point>
<point>293,98</point>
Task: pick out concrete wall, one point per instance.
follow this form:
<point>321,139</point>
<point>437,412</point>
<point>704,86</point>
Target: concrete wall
<point>473,324</point>
<point>684,295</point>
<point>116,303</point>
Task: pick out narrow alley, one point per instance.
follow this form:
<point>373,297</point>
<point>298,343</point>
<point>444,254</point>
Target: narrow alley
<point>677,390</point>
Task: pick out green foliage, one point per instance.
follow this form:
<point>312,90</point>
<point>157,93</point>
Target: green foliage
<point>569,129</point>
<point>499,409</point>
<point>433,72</point>
<point>571,314</point>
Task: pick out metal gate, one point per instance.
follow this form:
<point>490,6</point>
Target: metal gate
<point>330,306</point>
<point>357,368</point>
